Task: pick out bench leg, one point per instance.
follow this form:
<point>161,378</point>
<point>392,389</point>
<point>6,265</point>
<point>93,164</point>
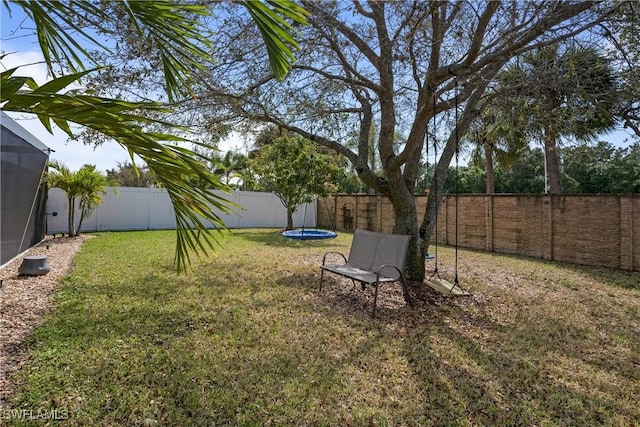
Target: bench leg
<point>375,299</point>
<point>405,291</point>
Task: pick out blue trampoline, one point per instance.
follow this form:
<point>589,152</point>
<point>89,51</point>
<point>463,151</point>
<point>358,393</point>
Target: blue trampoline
<point>309,234</point>
<point>303,234</point>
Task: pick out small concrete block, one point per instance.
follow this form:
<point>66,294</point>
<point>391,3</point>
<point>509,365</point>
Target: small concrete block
<point>35,265</point>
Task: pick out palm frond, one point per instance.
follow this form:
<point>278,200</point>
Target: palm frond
<point>197,208</point>
<point>59,36</point>
<point>271,19</point>
<point>173,28</point>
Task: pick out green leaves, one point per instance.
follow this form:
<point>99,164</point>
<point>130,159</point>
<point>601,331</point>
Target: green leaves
<point>276,30</point>
<point>295,171</point>
<point>86,184</point>
<point>172,28</point>
<point>173,31</point>
<point>175,166</point>
<point>58,32</point>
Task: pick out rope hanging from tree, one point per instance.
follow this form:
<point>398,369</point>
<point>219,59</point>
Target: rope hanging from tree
<point>435,281</point>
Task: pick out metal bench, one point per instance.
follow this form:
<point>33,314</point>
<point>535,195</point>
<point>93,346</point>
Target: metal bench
<point>374,258</point>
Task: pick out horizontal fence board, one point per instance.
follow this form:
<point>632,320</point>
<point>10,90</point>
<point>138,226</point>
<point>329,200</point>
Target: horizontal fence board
<point>135,208</point>
<point>599,230</point>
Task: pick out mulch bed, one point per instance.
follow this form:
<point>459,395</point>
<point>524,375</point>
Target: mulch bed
<point>25,300</point>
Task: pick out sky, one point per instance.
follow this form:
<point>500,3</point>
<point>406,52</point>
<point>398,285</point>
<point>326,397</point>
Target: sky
<point>75,154</point>
<point>19,40</point>
<point>23,51</point>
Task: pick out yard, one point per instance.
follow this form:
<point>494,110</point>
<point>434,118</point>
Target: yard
<point>248,340</point>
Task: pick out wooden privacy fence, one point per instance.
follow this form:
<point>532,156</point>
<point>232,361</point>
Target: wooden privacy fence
<point>601,230</point>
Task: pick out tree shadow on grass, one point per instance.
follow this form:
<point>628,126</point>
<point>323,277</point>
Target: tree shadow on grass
<point>614,277</point>
<point>342,296</point>
<point>510,379</point>
<point>278,350</point>
<point>535,369</point>
<point>606,275</point>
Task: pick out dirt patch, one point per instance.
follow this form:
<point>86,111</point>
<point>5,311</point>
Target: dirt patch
<point>25,300</point>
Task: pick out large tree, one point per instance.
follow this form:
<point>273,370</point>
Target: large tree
<point>230,165</point>
<point>378,69</point>
<point>622,30</point>
<point>392,65</point>
<point>496,140</point>
<point>602,168</point>
<point>174,32</point>
<point>128,174</point>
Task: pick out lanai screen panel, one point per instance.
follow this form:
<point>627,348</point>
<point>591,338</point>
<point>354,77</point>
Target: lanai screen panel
<point>22,195</point>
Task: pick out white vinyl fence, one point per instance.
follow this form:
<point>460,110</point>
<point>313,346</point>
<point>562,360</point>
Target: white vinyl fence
<point>133,208</point>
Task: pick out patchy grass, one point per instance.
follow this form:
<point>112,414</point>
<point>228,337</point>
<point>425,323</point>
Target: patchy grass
<point>248,340</point>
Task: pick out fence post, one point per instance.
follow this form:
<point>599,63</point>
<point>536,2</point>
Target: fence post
<point>356,214</point>
<point>489,222</point>
<point>446,219</point>
<point>335,212</point>
<point>547,227</point>
<point>626,233</point>
<point>379,201</point>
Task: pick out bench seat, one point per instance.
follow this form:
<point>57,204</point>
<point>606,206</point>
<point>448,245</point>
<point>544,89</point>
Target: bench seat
<point>374,258</point>
<point>359,274</point>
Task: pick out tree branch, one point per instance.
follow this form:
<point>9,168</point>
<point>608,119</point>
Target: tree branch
<point>351,81</point>
<point>342,28</point>
<point>481,29</point>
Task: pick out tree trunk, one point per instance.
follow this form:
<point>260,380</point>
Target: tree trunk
<point>290,219</point>
<point>404,208</point>
<point>435,195</point>
<point>82,215</point>
<point>553,164</point>
<point>488,155</point>
<point>71,215</point>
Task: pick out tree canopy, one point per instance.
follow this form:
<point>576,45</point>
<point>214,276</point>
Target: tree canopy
<point>390,67</point>
<point>295,172</point>
<point>587,168</point>
<point>128,174</point>
<point>562,93</point>
<point>623,33</point>
<point>83,186</point>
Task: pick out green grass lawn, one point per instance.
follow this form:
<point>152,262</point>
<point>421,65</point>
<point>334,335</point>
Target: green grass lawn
<point>248,340</point>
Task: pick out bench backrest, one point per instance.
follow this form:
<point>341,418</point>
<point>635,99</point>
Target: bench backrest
<point>363,249</point>
<point>371,250</point>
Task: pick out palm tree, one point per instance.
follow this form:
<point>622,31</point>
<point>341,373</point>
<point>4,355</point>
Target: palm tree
<point>230,165</point>
<point>564,94</point>
<point>497,139</point>
<point>92,184</point>
<point>83,186</point>
<point>173,29</point>
<point>60,176</point>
